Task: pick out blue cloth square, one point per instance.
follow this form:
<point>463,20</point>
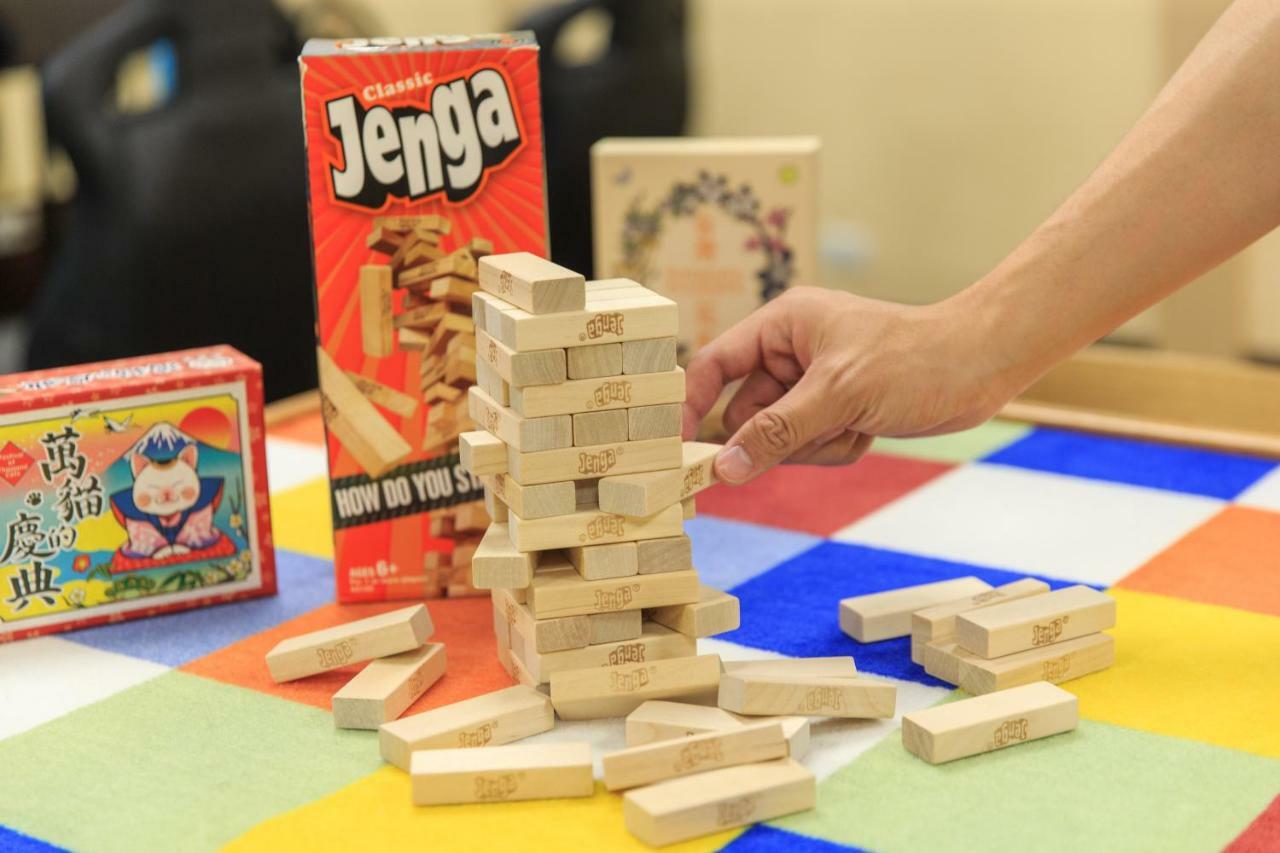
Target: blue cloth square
<point>12,841</point>
<point>766,839</point>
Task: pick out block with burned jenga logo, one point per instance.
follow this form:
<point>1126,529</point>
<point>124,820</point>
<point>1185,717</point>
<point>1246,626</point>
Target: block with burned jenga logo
<point>414,181</point>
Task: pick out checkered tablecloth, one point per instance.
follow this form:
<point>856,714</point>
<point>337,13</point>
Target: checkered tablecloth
<point>167,734</point>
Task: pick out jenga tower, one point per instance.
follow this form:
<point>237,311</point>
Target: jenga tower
<point>588,484</point>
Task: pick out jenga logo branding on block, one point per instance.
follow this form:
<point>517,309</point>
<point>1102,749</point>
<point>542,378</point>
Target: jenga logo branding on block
<point>606,525</point>
<point>493,352</point>
<point>504,283</point>
<point>603,324</point>
<point>822,699</point>
<point>1010,731</point>
<point>616,599</point>
<point>696,754</point>
<point>984,597</point>
<point>597,463</point>
<point>693,478</point>
<point>410,153</point>
<point>629,682</point>
<point>336,655</point>
<point>615,391</point>
<point>478,736</point>
<point>735,811</point>
<point>630,653</point>
<point>497,787</point>
<point>491,424</point>
<point>1043,635</point>
<point>417,683</point>
<point>1055,670</point>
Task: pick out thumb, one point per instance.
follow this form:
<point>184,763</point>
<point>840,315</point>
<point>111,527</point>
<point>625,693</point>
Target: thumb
<point>774,433</point>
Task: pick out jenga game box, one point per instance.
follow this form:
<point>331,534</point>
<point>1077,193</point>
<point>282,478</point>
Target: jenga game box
<point>719,225</point>
<point>130,488</point>
<point>424,154</point>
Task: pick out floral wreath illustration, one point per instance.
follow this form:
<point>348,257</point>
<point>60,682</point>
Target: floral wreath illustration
<point>641,227</point>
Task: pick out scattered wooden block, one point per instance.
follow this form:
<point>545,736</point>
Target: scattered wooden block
<point>645,422</point>
<point>377,636</point>
<point>615,627</point>
<point>1055,664</point>
<point>541,501</point>
<point>650,355</point>
<point>522,369</point>
<point>372,442</point>
<point>528,435</point>
<point>496,564</point>
<point>881,615</point>
<point>579,463</point>
<point>840,666</point>
<point>594,361</point>
<point>680,809</point>
<point>985,723</point>
<point>794,728</point>
<point>601,562</point>
<point>608,427</point>
<point>385,688</point>
<point>384,395</point>
<point>646,493</point>
<point>639,314</point>
<point>683,756</point>
<point>938,623</point>
<point>654,643</point>
<point>713,613</point>
<point>615,691</point>
<point>1040,620</point>
<point>533,283</point>
<point>590,527</point>
<point>587,395</point>
<point>502,773</point>
<point>941,659</point>
<point>482,453</point>
<point>817,697</point>
<point>543,635</point>
<point>668,554</point>
<point>376,331</point>
<point>563,592</point>
<point>490,719</point>
<point>660,720</point>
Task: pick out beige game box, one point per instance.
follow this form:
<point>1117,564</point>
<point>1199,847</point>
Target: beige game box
<point>720,225</point>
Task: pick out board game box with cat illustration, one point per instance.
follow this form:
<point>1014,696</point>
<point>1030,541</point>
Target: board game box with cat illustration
<point>130,488</point>
<point>423,155</point>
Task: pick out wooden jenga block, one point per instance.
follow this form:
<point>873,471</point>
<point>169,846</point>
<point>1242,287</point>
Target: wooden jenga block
<point>654,643</point>
<point>597,460</point>
<point>452,289</point>
<point>460,367</point>
<point>590,527</point>
<point>861,698</point>
<point>440,392</point>
<point>541,501</point>
<point>502,773</point>
<point>414,252</point>
<point>387,686</point>
<point>645,422</point>
<point>477,310</point>
<point>646,493</point>
<point>365,433</point>
<point>938,623</point>
<point>601,562</point>
<point>384,240</point>
<point>660,720</point>
<point>649,355</point>
<point>615,691</point>
<point>713,613</point>
<point>421,318</point>
<point>587,395</point>
<point>459,262</point>
<point>522,369</point>
<point>482,453</point>
<point>497,564</point>
<point>623,317</point>
<point>594,361</point>
<point>528,435</point>
<point>563,592</point>
<point>985,723</point>
<point>532,283</point>
<point>494,506</point>
<point>608,427</point>
<point>493,384</point>
<point>684,808</point>
<point>794,728</point>
<point>881,615</point>
<point>405,224</point>
<point>941,659</point>
<point>668,554</point>
<point>376,330</point>
<point>490,719</point>
<point>825,667</point>
<point>443,332</point>
<point>470,517</point>
<point>440,433</point>
<point>669,759</point>
<point>480,246</point>
<point>384,395</point>
<point>544,635</point>
<point>1040,620</point>
<point>689,507</point>
<point>377,636</point>
<point>412,339</point>
<point>1055,664</point>
<point>615,627</point>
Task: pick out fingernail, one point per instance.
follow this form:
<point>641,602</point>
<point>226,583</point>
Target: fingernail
<point>734,465</point>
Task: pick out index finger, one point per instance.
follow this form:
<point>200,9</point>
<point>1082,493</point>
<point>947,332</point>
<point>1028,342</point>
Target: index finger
<point>736,353</point>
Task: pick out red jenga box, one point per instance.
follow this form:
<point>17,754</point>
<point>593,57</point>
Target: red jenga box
<point>424,154</point>
<point>130,488</point>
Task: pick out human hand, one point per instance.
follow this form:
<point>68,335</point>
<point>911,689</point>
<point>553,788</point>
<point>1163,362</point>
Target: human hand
<point>826,371</point>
